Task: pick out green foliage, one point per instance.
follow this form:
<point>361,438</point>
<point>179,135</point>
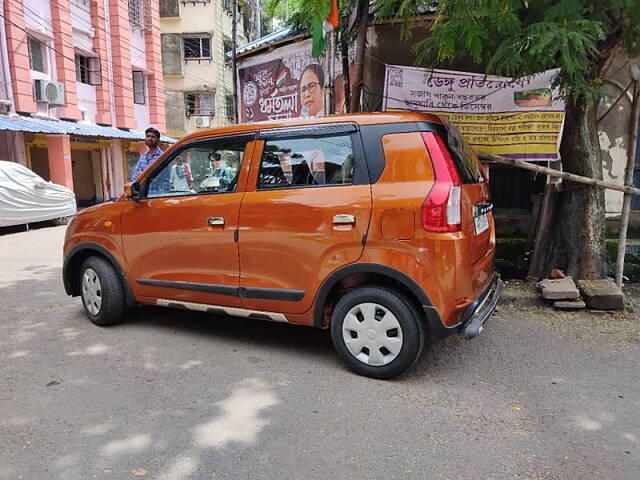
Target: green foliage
<point>522,37</point>
<point>511,37</point>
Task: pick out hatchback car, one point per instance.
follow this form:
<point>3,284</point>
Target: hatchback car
<point>377,227</point>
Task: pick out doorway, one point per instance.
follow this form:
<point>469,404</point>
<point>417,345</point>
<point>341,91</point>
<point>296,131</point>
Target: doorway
<point>87,177</point>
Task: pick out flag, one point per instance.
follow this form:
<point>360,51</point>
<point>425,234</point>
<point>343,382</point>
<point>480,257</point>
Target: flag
<point>332,21</point>
<point>326,20</point>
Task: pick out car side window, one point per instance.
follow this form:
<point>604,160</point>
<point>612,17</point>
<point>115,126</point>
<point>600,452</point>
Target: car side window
<point>302,162</point>
<point>199,169</point>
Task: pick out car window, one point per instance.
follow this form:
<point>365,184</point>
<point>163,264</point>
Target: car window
<point>305,162</point>
<point>202,168</point>
<point>463,155</point>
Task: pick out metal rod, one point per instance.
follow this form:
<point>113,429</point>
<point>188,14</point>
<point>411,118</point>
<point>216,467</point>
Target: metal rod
<point>234,42</point>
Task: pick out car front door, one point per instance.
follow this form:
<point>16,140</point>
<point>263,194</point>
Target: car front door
<point>179,238</point>
<point>307,215</point>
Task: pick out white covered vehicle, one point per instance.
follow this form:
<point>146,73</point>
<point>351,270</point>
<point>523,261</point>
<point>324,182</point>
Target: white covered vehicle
<point>27,198</point>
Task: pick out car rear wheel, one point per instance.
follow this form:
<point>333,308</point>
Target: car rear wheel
<point>101,292</point>
<point>376,331</point>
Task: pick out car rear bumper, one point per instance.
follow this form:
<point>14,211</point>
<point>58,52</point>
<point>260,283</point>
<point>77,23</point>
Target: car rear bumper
<point>473,318</point>
<point>481,309</point>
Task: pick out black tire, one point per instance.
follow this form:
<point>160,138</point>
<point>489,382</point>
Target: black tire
<point>410,323</point>
<point>61,220</point>
<point>112,304</point>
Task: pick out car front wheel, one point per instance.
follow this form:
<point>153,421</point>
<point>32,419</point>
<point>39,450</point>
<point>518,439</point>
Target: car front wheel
<point>376,332</point>
<point>101,292</point>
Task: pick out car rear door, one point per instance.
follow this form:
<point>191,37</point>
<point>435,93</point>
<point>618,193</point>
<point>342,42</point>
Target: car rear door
<point>305,214</point>
<point>179,239</point>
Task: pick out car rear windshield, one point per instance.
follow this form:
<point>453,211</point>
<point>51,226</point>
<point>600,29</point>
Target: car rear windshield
<point>463,155</point>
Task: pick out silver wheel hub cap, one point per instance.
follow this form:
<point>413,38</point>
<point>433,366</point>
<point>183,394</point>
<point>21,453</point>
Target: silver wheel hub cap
<point>91,291</point>
<point>372,334</point>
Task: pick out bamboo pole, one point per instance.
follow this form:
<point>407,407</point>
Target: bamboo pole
<point>489,158</point>
<point>628,177</point>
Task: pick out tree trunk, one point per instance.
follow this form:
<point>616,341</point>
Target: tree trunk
<point>344,54</point>
<point>579,243</point>
<point>358,64</point>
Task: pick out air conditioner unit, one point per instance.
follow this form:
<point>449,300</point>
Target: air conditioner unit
<point>203,122</point>
<point>50,92</point>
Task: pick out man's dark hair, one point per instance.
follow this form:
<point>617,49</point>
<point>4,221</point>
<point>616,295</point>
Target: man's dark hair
<point>154,131</point>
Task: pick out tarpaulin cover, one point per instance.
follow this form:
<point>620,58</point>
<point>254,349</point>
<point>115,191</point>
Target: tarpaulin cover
<point>27,198</point>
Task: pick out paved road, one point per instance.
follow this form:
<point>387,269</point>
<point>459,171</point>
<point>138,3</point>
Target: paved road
<point>176,395</point>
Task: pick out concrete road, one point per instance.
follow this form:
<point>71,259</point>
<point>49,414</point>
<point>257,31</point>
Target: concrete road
<point>176,395</point>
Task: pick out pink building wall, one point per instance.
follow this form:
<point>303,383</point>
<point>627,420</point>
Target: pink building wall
<point>107,38</point>
<point>65,62</point>
<point>103,97</point>
<point>112,95</point>
<point>19,57</point>
<point>154,80</point>
<point>121,55</point>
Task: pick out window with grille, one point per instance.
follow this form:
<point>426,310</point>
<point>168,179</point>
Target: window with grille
<point>139,88</point>
<point>199,104</point>
<point>136,14</point>
<point>228,6</point>
<point>229,106</point>
<point>37,56</point>
<point>86,70</point>
<point>197,48</point>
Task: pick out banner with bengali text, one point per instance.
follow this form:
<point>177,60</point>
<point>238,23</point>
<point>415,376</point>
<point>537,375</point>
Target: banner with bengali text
<point>288,82</point>
<point>516,118</point>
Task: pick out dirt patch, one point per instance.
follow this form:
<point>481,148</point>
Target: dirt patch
<point>521,300</point>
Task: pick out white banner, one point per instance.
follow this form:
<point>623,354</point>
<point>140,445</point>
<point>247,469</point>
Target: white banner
<point>516,118</point>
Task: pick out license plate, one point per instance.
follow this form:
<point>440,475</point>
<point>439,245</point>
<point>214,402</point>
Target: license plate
<point>481,223</point>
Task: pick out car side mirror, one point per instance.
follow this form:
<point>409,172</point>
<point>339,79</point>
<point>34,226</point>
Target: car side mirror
<point>132,191</point>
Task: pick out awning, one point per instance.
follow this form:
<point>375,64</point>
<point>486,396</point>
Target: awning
<point>19,123</point>
<point>266,40</point>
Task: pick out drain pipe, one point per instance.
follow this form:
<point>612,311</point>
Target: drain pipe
<point>6,72</point>
<point>107,28</point>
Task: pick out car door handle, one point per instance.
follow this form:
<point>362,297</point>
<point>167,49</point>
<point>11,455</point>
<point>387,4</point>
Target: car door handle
<point>215,221</point>
<point>344,219</point>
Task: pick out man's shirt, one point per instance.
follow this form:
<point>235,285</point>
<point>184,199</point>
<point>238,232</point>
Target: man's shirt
<point>144,161</point>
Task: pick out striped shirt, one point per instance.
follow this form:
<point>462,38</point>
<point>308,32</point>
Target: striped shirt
<point>144,161</point>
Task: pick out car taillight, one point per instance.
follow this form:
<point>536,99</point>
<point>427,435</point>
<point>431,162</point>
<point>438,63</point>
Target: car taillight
<point>441,210</point>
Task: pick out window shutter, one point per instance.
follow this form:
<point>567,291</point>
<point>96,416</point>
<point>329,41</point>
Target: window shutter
<point>171,58</point>
<point>95,73</point>
<point>169,8</point>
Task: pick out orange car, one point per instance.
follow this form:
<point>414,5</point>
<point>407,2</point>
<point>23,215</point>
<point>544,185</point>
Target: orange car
<point>376,226</point>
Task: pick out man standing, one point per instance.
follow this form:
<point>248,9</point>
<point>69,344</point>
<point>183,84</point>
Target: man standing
<point>152,141</point>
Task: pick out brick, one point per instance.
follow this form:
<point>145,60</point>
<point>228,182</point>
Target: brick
<point>570,304</point>
<point>601,294</point>
<point>561,289</point>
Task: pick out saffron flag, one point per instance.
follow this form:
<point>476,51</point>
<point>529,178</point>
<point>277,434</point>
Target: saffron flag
<point>326,20</point>
<point>332,21</point>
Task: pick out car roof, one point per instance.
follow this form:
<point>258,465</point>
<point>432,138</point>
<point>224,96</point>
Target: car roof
<point>368,118</point>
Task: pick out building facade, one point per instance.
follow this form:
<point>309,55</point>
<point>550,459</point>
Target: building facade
<point>198,77</point>
<point>80,81</point>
